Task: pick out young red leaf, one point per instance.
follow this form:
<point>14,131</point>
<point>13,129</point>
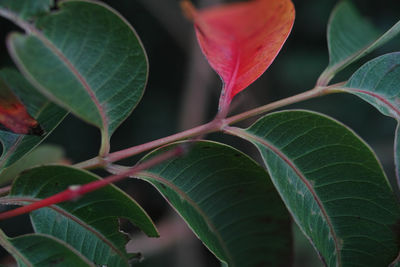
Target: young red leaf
<point>241,40</point>
<point>13,114</point>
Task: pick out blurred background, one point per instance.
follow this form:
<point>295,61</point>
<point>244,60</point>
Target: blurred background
<point>183,92</point>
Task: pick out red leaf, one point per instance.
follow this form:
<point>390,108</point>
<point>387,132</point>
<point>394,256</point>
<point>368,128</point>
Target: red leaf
<point>13,114</point>
<point>241,40</point>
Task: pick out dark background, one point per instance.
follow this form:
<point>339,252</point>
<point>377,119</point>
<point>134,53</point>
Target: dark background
<point>182,92</point>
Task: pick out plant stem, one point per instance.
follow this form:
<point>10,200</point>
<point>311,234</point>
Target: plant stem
<point>125,153</point>
<point>216,125</point>
<point>74,192</point>
<point>315,92</point>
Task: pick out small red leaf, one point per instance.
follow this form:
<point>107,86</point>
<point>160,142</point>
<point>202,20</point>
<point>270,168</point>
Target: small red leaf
<point>13,114</point>
<point>241,40</point>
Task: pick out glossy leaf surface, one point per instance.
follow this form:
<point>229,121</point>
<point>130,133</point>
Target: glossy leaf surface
<point>47,114</point>
<point>333,185</point>
<point>241,40</point>
<point>229,203</point>
<point>68,56</point>
<point>36,250</point>
<point>350,37</point>
<point>92,219</point>
<point>26,9</point>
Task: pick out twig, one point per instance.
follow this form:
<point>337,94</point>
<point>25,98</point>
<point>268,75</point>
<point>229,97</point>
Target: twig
<point>213,126</point>
<point>76,191</point>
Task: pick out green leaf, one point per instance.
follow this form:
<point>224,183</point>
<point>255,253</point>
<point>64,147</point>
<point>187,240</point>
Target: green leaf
<point>333,185</point>
<point>350,37</point>
<point>39,250</point>
<point>228,201</point>
<point>378,83</point>
<point>89,224</point>
<point>86,58</point>
<point>26,9</point>
<point>44,154</point>
<point>15,146</point>
<point>94,246</point>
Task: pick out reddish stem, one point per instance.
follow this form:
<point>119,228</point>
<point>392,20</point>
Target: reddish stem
<point>74,192</point>
<point>215,125</point>
<point>199,130</point>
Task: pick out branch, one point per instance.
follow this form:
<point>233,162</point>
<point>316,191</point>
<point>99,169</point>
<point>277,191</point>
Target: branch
<point>315,92</point>
<point>76,191</point>
<point>213,126</point>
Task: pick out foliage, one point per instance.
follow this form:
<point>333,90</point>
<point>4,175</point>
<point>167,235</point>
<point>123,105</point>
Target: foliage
<point>84,58</point>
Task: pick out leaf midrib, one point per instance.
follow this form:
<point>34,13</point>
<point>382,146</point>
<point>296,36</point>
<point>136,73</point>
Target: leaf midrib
<point>30,29</point>
<point>338,66</point>
<point>233,77</point>
<point>21,200</point>
<point>195,206</point>
<point>255,139</point>
<point>60,242</point>
<point>76,73</point>
<point>377,97</point>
